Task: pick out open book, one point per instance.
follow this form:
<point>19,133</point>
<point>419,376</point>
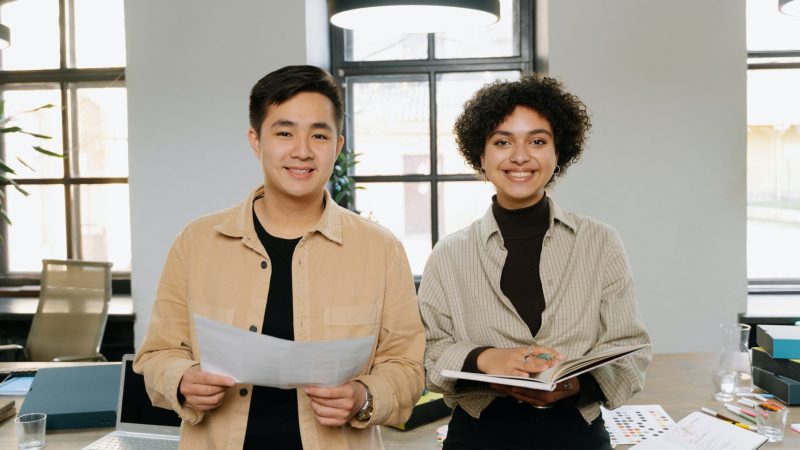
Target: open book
<point>547,380</point>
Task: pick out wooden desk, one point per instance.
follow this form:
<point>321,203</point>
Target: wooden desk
<point>680,382</point>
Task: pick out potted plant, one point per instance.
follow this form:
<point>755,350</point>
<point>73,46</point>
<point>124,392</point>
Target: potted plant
<point>6,171</point>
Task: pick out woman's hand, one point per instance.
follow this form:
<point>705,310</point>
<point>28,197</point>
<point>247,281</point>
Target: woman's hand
<point>520,361</point>
<point>566,388</point>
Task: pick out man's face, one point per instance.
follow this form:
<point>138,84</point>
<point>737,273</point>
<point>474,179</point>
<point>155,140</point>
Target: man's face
<point>297,146</point>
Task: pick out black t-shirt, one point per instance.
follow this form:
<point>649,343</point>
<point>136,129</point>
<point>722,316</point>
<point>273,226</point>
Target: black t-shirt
<point>273,420</point>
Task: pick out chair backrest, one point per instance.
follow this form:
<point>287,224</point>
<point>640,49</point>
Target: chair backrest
<point>72,312</point>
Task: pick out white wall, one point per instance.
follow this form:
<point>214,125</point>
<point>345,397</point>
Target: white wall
<point>665,85</point>
<point>664,81</point>
<point>191,65</point>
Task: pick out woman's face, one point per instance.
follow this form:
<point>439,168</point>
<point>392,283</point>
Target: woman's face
<point>519,158</point>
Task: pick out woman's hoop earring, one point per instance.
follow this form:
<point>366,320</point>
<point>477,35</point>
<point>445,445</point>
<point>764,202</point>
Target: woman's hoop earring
<point>557,170</point>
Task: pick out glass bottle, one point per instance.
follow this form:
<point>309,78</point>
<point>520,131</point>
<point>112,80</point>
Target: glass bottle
<point>733,372</point>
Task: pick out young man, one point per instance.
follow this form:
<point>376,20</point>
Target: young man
<point>290,263</point>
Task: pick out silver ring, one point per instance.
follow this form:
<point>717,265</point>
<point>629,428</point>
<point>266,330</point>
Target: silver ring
<point>567,386</point>
<point>530,349</point>
<point>525,359</point>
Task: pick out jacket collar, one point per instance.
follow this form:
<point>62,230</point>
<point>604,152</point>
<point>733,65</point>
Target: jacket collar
<point>238,221</point>
<point>487,225</point>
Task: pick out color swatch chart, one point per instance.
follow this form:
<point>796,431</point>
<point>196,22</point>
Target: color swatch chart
<point>631,424</point>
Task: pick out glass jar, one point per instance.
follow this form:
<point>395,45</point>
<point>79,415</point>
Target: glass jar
<point>733,373</point>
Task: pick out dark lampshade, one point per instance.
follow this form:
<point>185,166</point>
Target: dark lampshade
<point>5,37</point>
<point>413,16</point>
<point>789,7</point>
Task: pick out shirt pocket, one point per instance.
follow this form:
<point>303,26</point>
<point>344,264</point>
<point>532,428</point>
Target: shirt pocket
<point>211,311</point>
<point>349,321</point>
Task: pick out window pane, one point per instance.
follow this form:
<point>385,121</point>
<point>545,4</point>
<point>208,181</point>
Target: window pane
<point>378,46</point>
<point>496,40</point>
<point>38,227</point>
<point>99,33</point>
<point>769,29</point>
<point>452,90</point>
<point>773,173</point>
<point>392,140</point>
<point>403,208</point>
<point>102,122</point>
<point>461,203</point>
<point>33,47</point>
<point>105,224</point>
<point>18,103</point>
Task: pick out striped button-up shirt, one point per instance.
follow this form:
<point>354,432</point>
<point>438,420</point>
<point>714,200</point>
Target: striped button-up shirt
<point>588,291</point>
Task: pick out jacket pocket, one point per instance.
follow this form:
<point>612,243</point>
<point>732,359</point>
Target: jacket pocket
<point>348,321</point>
<point>211,311</point>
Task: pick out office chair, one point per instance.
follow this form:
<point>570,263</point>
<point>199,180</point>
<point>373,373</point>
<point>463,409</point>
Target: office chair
<point>71,316</point>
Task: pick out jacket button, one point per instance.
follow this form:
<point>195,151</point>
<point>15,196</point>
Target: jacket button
<point>253,328</point>
<point>243,392</point>
<point>263,264</point>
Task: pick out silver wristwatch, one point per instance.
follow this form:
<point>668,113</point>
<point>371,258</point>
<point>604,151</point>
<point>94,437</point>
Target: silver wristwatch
<point>365,413</point>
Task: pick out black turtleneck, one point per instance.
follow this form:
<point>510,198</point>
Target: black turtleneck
<point>523,233</point>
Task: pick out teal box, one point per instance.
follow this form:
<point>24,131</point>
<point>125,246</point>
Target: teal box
<point>75,397</point>
<point>780,341</point>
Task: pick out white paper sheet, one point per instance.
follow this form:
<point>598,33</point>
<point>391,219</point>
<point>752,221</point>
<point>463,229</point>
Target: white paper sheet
<point>699,431</point>
<point>254,358</point>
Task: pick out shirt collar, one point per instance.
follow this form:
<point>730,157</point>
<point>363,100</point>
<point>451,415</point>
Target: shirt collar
<point>487,225</point>
<point>238,222</point>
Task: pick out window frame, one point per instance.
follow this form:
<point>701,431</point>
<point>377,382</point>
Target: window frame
<point>791,60</point>
<point>430,67</point>
<point>68,80</point>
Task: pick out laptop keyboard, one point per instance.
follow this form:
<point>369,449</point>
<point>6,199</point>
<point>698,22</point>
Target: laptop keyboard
<point>133,443</point>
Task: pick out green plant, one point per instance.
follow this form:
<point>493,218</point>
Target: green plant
<point>343,185</point>
<point>6,171</point>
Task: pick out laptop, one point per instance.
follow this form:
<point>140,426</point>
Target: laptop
<point>140,425</point>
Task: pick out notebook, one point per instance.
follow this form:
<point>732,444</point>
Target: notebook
<point>139,423</point>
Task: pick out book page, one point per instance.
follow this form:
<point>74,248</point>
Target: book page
<point>547,380</point>
<point>576,366</point>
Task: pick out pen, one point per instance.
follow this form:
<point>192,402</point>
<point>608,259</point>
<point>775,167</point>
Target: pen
<point>741,412</point>
<point>545,356</point>
<point>746,402</point>
<point>711,412</point>
<point>763,396</point>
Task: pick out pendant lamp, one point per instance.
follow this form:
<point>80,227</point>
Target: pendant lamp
<point>413,16</point>
<point>5,37</point>
<point>789,7</point>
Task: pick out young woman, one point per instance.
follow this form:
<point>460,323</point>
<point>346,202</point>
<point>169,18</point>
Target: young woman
<point>528,278</point>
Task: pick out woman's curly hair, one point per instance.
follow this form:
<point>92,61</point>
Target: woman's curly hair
<point>495,101</point>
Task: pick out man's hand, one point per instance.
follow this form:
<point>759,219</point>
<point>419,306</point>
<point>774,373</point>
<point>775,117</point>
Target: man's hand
<point>520,361</point>
<point>337,405</point>
<point>565,389</point>
<point>203,391</point>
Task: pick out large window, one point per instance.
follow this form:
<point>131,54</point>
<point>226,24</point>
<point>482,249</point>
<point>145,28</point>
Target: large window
<point>71,54</point>
<point>402,94</point>
<point>773,147</point>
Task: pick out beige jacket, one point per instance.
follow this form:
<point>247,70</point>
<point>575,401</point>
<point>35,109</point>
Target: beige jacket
<point>588,293</point>
<point>350,278</point>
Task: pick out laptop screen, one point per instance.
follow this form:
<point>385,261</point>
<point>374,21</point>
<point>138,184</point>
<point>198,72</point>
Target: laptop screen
<point>135,406</point>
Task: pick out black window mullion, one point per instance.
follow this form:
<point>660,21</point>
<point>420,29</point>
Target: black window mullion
<point>62,33</point>
<point>65,150</point>
<point>434,157</point>
<point>74,189</point>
